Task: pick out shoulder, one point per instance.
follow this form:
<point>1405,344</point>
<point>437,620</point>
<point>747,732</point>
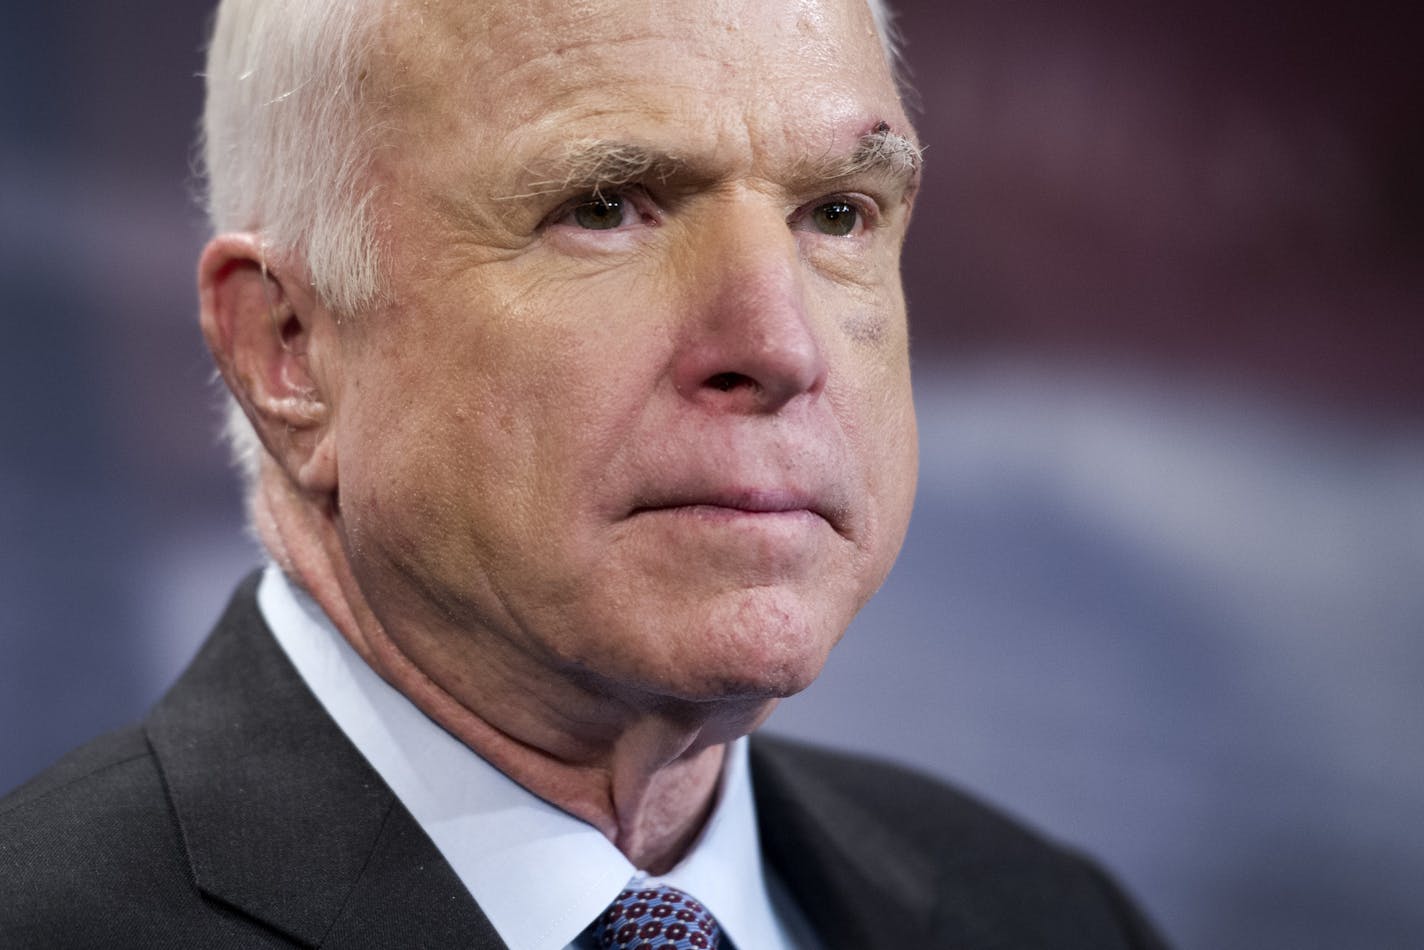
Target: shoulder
<point>91,856</point>
<point>969,871</point>
<point>78,835</point>
<point>98,807</point>
<point>103,762</point>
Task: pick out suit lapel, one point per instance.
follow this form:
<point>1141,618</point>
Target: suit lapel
<point>880,858</point>
<point>408,896</point>
<point>283,819</point>
<point>840,863</point>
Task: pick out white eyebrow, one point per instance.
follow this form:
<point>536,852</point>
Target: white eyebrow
<point>879,151</point>
<point>595,163</point>
<point>890,150</point>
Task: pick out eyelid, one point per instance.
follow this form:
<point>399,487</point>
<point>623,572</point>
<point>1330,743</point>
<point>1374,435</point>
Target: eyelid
<point>634,197</point>
<point>866,207</point>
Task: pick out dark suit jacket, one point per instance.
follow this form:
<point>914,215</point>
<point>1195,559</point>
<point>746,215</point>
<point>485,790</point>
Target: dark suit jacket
<point>239,815</point>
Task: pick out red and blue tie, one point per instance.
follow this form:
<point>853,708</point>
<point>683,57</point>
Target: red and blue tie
<point>656,918</point>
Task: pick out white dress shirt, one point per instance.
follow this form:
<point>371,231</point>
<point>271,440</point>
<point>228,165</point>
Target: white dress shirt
<point>538,873</point>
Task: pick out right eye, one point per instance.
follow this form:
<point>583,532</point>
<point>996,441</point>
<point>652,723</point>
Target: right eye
<point>599,213</point>
<point>606,210</point>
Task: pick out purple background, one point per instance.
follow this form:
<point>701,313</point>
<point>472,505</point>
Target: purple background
<point>1164,591</point>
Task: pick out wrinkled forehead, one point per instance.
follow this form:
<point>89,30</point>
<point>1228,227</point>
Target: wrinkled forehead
<point>486,53</point>
<point>426,28</point>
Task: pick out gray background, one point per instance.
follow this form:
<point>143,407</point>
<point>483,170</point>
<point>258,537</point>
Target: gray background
<point>1162,597</point>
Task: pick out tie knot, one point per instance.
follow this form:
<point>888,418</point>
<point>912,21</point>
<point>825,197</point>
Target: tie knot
<point>656,918</point>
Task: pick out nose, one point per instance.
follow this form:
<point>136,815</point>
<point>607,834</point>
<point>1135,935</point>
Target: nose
<point>748,344</point>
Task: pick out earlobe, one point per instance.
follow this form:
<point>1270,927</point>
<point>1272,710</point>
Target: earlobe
<point>267,336</point>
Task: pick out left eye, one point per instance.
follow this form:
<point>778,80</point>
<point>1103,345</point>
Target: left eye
<point>835,218</point>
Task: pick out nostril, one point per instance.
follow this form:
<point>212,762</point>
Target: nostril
<point>726,382</point>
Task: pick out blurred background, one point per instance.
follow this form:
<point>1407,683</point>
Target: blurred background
<point>1164,594</point>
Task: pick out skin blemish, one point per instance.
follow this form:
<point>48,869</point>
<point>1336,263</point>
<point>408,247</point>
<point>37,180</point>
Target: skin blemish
<point>865,328</point>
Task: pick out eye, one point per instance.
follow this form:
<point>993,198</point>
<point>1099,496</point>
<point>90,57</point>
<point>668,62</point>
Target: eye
<point>600,213</point>
<point>840,216</point>
<point>835,218</point>
<point>605,209</point>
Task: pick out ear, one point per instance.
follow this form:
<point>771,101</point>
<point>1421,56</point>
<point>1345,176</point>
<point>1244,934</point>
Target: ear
<point>269,336</point>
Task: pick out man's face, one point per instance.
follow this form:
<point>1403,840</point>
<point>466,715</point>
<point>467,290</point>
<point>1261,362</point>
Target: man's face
<point>639,408</point>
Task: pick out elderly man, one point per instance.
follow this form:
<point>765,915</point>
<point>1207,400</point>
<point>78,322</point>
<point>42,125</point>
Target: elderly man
<point>568,354</point>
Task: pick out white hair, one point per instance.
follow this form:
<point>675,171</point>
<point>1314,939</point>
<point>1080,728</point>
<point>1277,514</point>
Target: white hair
<point>287,141</point>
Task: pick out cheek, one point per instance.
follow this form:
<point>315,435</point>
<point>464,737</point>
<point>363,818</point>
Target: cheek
<point>876,408</point>
<point>891,459</point>
<point>486,448</point>
<point>902,454</point>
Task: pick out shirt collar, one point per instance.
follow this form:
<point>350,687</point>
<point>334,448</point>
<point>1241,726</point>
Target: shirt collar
<point>538,873</point>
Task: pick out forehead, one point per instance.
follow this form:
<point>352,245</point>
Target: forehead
<point>737,77</point>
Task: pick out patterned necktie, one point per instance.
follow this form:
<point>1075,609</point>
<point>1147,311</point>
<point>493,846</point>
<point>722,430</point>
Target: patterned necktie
<point>656,918</point>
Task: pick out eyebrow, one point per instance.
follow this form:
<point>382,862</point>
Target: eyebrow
<point>592,164</point>
<point>895,151</point>
<point>880,151</point>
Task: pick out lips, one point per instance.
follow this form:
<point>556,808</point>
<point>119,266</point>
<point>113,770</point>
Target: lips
<point>731,502</point>
<point>738,469</point>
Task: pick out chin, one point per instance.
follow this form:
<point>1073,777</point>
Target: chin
<point>760,649</point>
<point>731,684</point>
<point>698,636</point>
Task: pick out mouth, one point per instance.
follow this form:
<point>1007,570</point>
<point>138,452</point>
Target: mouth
<point>740,503</point>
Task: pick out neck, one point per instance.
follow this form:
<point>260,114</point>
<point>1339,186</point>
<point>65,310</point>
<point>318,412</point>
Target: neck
<point>643,769</point>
